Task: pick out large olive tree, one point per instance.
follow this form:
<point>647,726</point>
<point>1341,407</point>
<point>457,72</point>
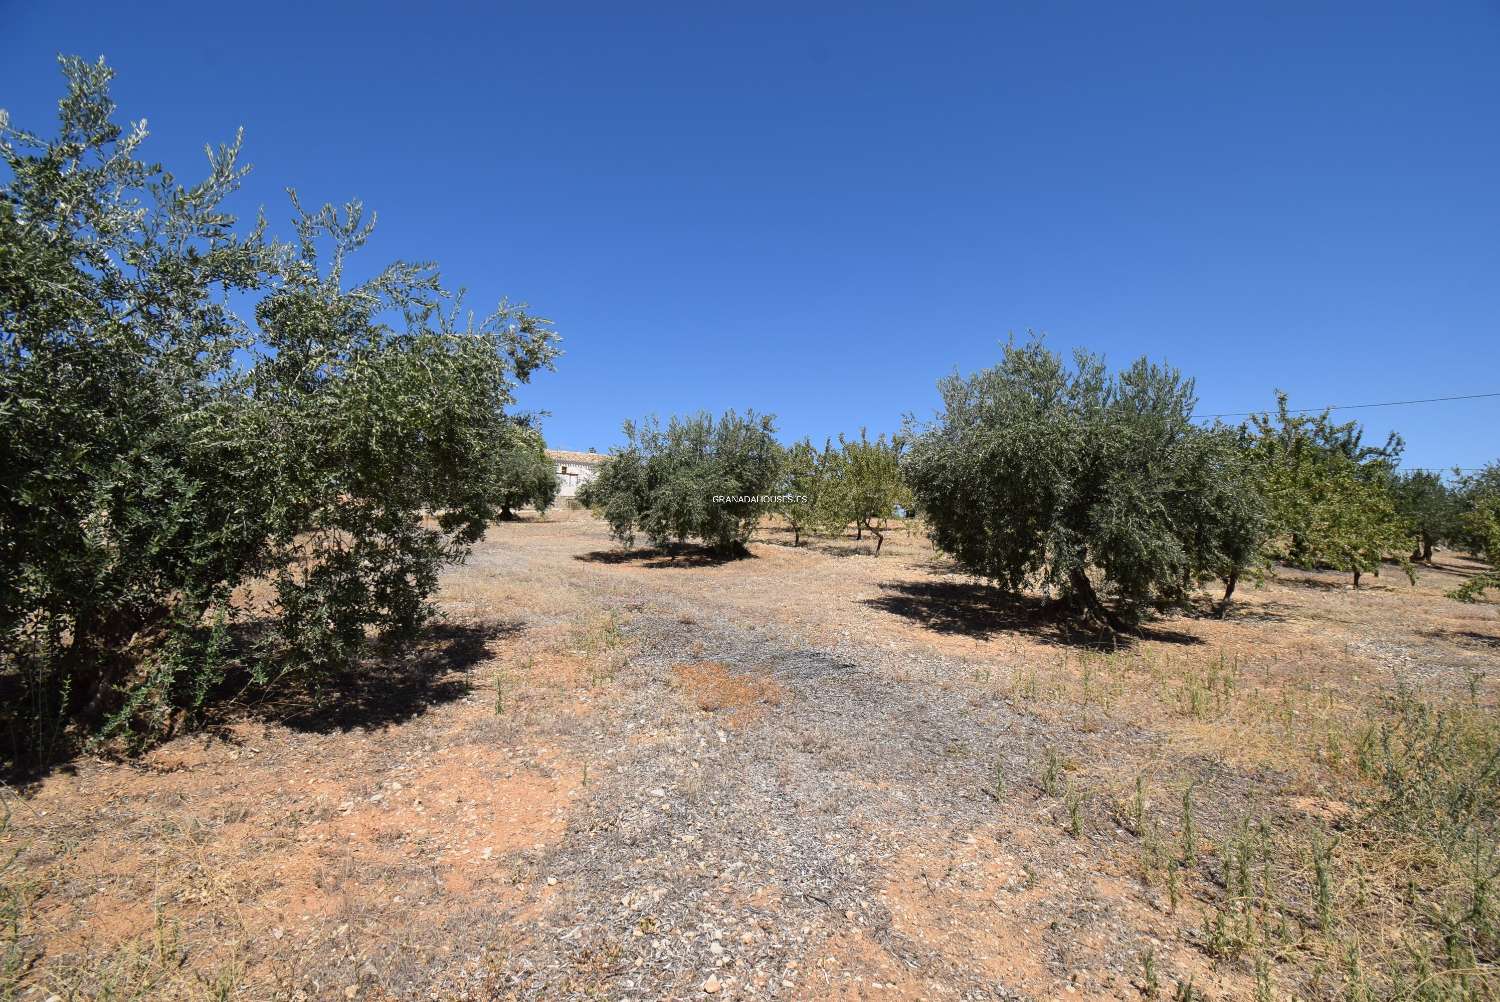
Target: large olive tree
<point>1085,481</point>
<point>159,450</point>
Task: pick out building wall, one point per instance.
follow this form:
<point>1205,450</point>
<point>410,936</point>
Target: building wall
<point>572,475</point>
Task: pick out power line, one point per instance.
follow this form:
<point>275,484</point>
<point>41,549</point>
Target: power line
<point>1351,407</point>
<point>1441,469</point>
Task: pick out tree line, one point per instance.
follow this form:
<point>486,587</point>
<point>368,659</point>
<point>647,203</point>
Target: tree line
<point>1097,486</point>
<point>713,479</point>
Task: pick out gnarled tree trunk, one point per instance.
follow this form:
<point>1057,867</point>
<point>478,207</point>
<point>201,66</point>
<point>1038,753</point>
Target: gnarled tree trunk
<point>1229,583</point>
<point>1090,605</point>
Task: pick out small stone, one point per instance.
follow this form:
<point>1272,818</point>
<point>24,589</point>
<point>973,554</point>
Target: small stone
<point>716,949</point>
<point>711,986</point>
<point>551,881</point>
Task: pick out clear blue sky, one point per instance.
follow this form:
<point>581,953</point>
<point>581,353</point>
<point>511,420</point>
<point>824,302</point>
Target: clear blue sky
<point>819,215</point>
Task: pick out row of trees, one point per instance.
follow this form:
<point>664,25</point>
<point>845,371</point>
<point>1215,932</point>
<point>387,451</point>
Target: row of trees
<point>1096,486</point>
<point>714,478</point>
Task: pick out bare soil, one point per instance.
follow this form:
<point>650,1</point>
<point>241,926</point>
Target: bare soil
<point>811,773</point>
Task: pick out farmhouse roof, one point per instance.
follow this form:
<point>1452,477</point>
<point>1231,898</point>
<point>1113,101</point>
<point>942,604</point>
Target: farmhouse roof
<point>568,456</point>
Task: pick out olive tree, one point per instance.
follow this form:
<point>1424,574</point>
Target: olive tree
<point>1221,511</point>
<point>1428,507</point>
<point>523,473</point>
<point>1088,482</point>
<point>696,477</point>
<point>159,451</point>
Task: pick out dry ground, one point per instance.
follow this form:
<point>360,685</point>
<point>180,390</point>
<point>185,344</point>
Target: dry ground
<point>809,774</point>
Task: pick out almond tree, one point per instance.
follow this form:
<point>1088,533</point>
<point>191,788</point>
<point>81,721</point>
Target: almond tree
<point>1428,507</point>
<point>1479,529</point>
<point>800,484</point>
<point>862,485</point>
<point>1328,495</point>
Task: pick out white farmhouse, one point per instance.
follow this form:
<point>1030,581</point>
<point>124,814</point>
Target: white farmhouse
<point>574,469</point>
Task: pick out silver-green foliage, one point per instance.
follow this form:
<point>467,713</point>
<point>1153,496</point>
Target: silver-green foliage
<point>524,475</point>
<point>696,477</point>
<point>159,451</point>
<point>1040,472</point>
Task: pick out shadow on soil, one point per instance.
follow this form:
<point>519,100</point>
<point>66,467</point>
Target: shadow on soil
<point>1266,612</point>
<point>1369,583</point>
<point>982,611</point>
<point>379,692</point>
<point>668,556</point>
<point>387,691</point>
<point>1463,637</point>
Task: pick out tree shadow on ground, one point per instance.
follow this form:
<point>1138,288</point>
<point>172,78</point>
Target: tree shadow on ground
<point>1463,637</point>
<point>1341,583</point>
<point>846,545</point>
<point>1265,612</point>
<point>1473,571</point>
<point>385,691</point>
<point>856,549</point>
<point>680,556</point>
<point>380,691</point>
<point>983,611</point>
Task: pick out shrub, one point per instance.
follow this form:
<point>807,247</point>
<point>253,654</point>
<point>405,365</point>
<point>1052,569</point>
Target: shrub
<point>696,478</point>
<point>159,452</point>
<point>1035,472</point>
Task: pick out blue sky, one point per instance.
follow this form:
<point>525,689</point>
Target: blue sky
<point>820,214</point>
